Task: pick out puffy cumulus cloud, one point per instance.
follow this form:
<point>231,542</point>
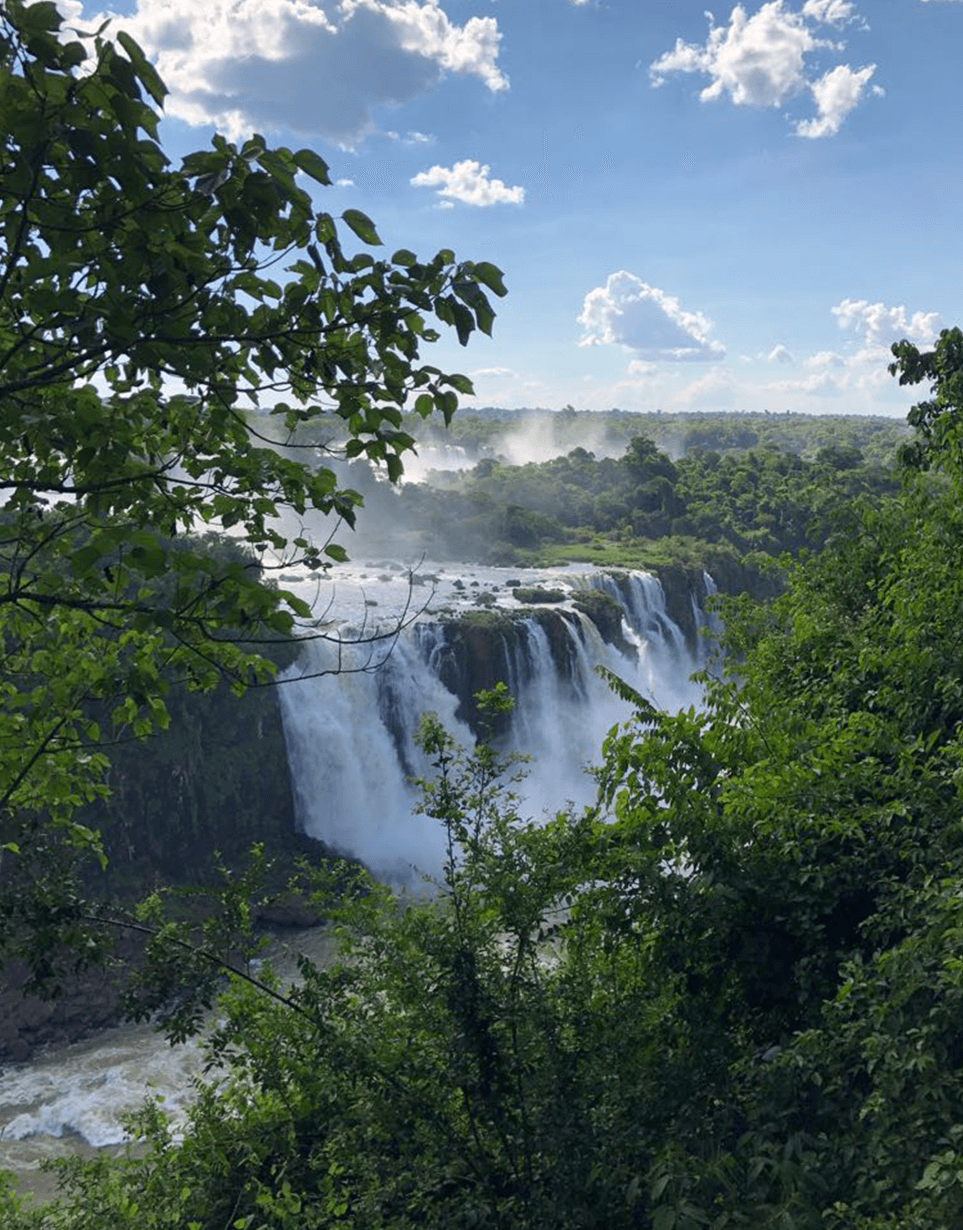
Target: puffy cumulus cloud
<point>468,181</point>
<point>879,326</point>
<point>762,60</point>
<point>833,12</point>
<point>860,375</point>
<point>640,367</point>
<point>317,67</point>
<point>629,312</point>
<point>836,94</point>
<point>70,10</point>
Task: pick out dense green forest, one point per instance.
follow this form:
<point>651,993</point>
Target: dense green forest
<point>726,995</point>
<point>624,509</point>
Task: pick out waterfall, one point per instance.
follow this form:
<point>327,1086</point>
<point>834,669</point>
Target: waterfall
<point>351,752</point>
<point>349,736</point>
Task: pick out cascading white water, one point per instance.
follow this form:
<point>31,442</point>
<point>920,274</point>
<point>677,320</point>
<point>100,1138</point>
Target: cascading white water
<point>351,755</point>
<point>349,738</point>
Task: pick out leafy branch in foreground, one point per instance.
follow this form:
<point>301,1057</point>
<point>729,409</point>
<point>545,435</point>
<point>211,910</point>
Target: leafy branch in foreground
<point>146,313</point>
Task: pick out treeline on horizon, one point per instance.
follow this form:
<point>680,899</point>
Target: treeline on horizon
<point>493,431</point>
<point>733,492</point>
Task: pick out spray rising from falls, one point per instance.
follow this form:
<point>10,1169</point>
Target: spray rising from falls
<point>349,737</point>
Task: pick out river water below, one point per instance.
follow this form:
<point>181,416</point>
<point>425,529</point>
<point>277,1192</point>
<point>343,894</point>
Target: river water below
<point>72,1100</point>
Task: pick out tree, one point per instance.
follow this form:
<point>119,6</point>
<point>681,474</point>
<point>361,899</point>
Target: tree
<point>938,420</point>
<point>729,997</point>
<point>146,313</point>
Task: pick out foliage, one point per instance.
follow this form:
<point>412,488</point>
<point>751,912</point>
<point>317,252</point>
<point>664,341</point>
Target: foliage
<point>634,508</point>
<point>728,998</point>
<point>145,311</point>
<point>937,420</point>
<point>536,594</point>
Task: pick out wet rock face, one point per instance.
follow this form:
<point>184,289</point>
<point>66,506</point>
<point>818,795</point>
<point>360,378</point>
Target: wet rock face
<point>684,586</point>
<point>89,1001</point>
<point>482,649</point>
<point>605,612</point>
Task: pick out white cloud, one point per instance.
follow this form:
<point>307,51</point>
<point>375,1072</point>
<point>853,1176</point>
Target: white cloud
<point>715,390</point>
<point>640,367</point>
<point>880,326</point>
<point>761,61</point>
<point>481,373</point>
<point>836,94</point>
<point>780,354</point>
<point>817,384</point>
<point>629,312</point>
<point>825,358</point>
<point>468,181</point>
<point>832,12</point>
<point>344,183</point>
<point>317,67</point>
<point>860,376</point>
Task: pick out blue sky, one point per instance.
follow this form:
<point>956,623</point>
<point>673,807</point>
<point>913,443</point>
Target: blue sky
<point>710,212</point>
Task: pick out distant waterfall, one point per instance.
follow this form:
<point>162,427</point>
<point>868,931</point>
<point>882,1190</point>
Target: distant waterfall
<point>350,736</point>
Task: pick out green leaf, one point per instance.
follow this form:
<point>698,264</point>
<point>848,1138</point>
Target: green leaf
<point>253,148</point>
<point>145,70</point>
<point>278,164</point>
<point>41,16</point>
<point>463,320</point>
<point>311,164</point>
<point>491,276</point>
<point>460,383</point>
<point>362,226</point>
